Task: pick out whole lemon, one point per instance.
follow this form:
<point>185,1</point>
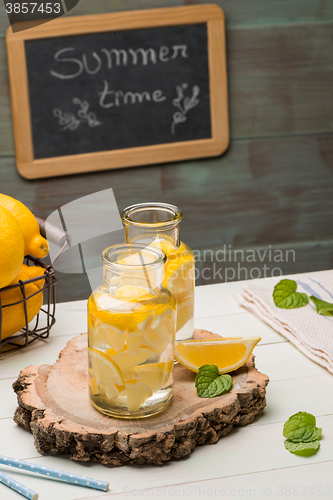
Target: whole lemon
<point>34,243</point>
<point>30,272</point>
<point>11,247</point>
<point>13,316</point>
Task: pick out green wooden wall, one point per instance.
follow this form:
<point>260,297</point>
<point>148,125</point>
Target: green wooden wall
<point>273,189</point>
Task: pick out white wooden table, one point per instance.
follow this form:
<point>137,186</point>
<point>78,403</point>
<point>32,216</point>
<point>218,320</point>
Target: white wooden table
<point>251,462</point>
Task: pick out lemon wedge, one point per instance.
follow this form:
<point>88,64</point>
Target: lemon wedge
<point>106,376</point>
<point>178,275</point>
<point>227,354</point>
<point>154,374</point>
<point>105,334</point>
<point>160,329</point>
<point>137,392</point>
<point>185,310</point>
<point>94,387</point>
<point>180,261</point>
<point>127,359</point>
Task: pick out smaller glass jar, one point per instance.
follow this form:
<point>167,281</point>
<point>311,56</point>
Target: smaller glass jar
<point>157,224</point>
<point>131,333</point>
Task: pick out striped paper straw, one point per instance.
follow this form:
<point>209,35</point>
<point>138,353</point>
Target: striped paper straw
<point>20,488</point>
<point>55,473</point>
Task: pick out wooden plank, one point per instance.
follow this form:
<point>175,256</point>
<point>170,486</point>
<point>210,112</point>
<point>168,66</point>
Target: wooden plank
<point>282,86</point>
<point>70,319</point>
<point>269,260</point>
<point>269,192</point>
<point>236,454</point>
<point>280,79</point>
<point>237,12</point>
<point>12,184</point>
<point>211,299</point>
<point>85,7</point>
<point>9,431</point>
<point>275,191</point>
<point>8,398</point>
<point>45,351</point>
<point>53,490</point>
<point>305,481</point>
<point>240,325</point>
<point>285,397</point>
<point>285,362</point>
<point>275,11</point>
<point>6,127</point>
<point>148,18</point>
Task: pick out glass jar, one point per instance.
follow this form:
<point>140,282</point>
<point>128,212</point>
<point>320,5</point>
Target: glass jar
<point>157,224</point>
<point>131,333</point>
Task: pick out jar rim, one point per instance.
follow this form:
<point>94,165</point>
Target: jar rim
<point>110,254</point>
<point>174,212</point>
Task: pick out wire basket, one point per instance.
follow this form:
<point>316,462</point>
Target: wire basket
<point>45,319</point>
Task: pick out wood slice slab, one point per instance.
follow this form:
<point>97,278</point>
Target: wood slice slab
<point>54,405</point>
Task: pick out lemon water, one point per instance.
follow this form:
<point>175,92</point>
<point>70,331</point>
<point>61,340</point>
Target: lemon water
<point>179,279</point>
<point>157,224</point>
<point>131,351</point>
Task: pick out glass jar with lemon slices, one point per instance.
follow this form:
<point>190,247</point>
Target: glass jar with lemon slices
<point>131,333</point>
<point>157,224</point>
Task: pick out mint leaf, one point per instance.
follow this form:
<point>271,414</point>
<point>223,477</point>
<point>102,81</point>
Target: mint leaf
<point>286,297</point>
<point>299,420</point>
<point>301,427</point>
<point>209,383</point>
<point>303,434</point>
<point>302,449</point>
<point>303,418</point>
<point>324,308</point>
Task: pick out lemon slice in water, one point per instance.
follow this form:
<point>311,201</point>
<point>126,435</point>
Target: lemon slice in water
<point>106,374</point>
<point>137,391</point>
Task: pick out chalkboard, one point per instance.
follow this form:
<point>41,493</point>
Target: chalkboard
<point>118,90</point>
<point>135,88</point>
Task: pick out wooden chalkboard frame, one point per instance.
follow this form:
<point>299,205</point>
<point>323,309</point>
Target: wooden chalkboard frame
<point>31,168</point>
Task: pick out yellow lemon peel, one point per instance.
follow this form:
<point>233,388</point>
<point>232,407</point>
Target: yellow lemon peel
<point>12,247</point>
<point>34,243</point>
<point>13,317</point>
<point>227,354</point>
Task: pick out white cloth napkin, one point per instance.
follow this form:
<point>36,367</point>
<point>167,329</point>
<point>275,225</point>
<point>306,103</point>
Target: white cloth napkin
<point>309,331</point>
